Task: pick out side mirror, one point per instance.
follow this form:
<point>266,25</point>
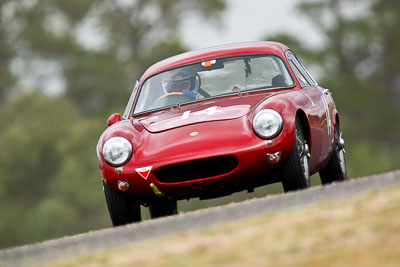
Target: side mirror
<point>114,118</point>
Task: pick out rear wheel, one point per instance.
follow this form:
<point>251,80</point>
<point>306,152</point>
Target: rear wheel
<point>336,169</point>
<point>163,207</point>
<point>296,170</point>
<point>123,209</point>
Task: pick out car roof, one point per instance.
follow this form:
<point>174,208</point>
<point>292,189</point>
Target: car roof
<point>215,52</point>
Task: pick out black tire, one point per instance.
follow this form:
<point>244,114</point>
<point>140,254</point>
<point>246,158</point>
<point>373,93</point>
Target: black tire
<point>336,169</point>
<point>163,207</point>
<point>296,174</point>
<point>123,209</point>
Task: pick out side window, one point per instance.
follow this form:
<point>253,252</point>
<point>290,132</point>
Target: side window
<point>130,102</point>
<point>312,80</point>
<point>298,74</point>
<point>301,73</point>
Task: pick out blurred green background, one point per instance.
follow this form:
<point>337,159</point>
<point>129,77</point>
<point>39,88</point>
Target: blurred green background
<point>56,92</point>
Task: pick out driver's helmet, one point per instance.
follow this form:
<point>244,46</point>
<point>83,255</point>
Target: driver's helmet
<point>183,80</point>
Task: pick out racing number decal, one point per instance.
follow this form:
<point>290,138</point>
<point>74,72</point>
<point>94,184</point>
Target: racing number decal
<point>328,115</point>
<point>209,111</point>
<point>185,115</point>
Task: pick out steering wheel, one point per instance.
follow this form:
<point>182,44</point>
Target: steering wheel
<point>168,94</point>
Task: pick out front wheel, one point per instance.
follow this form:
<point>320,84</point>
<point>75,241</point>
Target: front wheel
<point>336,169</point>
<point>123,208</point>
<point>296,173</point>
<point>163,207</point>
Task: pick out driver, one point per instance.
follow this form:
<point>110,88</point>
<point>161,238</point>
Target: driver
<point>184,81</point>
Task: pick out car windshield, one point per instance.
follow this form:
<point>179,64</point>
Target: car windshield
<point>212,78</point>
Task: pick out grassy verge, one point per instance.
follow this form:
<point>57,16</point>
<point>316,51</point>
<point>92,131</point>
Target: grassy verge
<point>357,232</point>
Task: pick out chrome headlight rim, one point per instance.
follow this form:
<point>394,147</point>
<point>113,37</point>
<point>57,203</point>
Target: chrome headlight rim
<point>276,116</point>
<point>109,143</point>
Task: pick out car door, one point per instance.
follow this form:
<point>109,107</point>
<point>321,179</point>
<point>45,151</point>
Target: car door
<point>320,112</point>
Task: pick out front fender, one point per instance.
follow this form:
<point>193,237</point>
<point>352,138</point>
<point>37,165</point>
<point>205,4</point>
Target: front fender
<point>286,109</point>
<point>125,129</point>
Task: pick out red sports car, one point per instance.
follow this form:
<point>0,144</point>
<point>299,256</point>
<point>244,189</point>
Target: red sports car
<point>215,121</point>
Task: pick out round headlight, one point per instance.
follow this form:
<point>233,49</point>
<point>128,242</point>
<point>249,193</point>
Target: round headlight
<point>117,151</point>
<point>267,123</point>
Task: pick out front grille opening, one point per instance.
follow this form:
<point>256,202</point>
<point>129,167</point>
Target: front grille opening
<point>196,169</point>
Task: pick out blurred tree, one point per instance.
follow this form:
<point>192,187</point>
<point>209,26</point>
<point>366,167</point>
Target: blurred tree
<point>387,48</point>
<point>97,82</point>
<point>6,54</point>
<point>75,199</point>
<point>31,133</point>
<point>137,33</point>
<point>94,47</point>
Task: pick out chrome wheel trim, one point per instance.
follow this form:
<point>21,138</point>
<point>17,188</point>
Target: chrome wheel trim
<point>342,161</point>
<point>340,152</point>
<point>306,168</point>
<point>304,154</point>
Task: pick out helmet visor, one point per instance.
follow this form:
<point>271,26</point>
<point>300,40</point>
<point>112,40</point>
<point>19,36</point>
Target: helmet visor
<point>178,86</point>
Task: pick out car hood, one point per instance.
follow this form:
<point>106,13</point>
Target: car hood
<point>212,110</point>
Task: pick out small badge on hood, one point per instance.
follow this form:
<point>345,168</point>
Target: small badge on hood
<point>144,172</point>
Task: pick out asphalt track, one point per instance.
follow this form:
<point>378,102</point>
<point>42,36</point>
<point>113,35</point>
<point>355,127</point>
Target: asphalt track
<point>114,238</point>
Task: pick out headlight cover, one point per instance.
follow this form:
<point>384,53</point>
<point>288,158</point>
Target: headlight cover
<point>267,123</point>
<point>117,151</point>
